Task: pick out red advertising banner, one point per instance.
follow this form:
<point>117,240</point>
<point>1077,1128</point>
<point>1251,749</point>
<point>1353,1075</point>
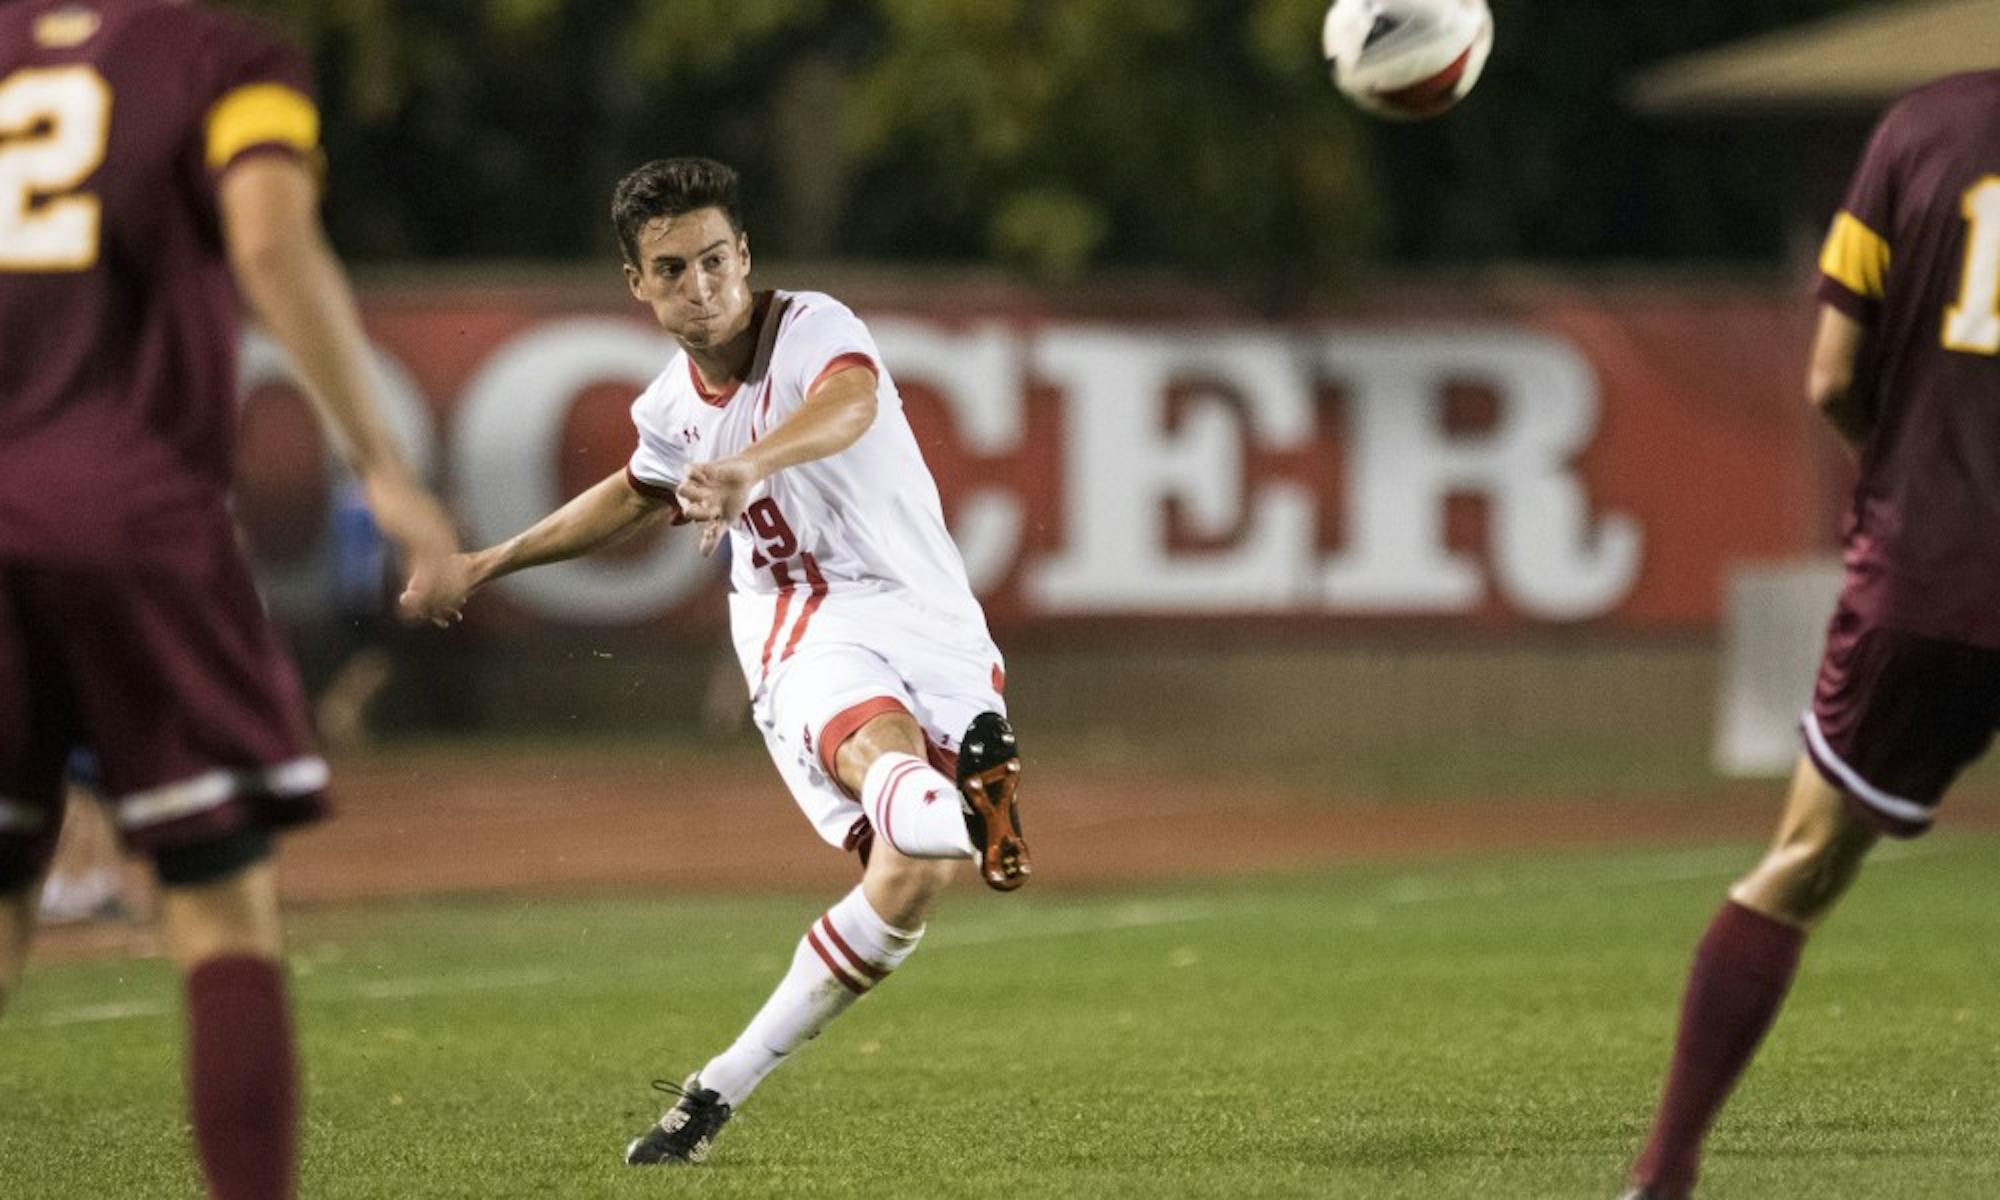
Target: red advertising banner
<point>1563,458</point>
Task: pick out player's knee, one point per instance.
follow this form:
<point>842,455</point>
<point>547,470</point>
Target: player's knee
<point>889,733</point>
<point>1800,882</point>
<point>904,889</point>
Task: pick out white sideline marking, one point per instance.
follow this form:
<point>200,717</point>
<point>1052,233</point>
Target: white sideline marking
<point>1143,915</point>
<point>442,985</point>
<point>90,1014</point>
<point>366,990</point>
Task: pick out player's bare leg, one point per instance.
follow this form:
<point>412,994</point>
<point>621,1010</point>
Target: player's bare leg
<point>87,879</point>
<point>1814,857</point>
<point>225,935</point>
<point>920,837</point>
<point>17,929</point>
<point>1743,969</point>
<point>20,896</point>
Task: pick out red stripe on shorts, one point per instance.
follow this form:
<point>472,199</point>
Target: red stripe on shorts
<point>847,981</point>
<point>848,722</point>
<point>812,605</point>
<point>784,579</point>
<point>861,964</point>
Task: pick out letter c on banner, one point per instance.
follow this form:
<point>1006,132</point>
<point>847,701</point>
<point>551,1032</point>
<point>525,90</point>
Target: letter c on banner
<point>504,456</point>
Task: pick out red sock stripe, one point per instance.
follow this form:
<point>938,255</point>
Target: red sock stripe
<point>873,972</point>
<point>886,803</point>
<point>777,617</point>
<point>846,980</point>
<point>812,605</point>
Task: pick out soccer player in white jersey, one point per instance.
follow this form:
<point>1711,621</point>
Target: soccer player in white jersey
<point>870,669</point>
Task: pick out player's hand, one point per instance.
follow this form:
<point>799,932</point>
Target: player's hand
<point>413,520</point>
<point>437,590</point>
<point>716,493</point>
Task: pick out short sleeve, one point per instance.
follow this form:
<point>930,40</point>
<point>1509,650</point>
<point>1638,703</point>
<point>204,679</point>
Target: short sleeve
<point>823,338</point>
<point>658,463</point>
<point>261,99</point>
<point>1854,260</point>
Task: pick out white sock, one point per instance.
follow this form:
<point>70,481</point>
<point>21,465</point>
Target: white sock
<point>843,954</point>
<point>914,808</point>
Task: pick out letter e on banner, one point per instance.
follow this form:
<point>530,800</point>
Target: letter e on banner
<point>1551,559</point>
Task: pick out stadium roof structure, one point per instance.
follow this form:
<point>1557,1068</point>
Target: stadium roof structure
<point>1856,60</point>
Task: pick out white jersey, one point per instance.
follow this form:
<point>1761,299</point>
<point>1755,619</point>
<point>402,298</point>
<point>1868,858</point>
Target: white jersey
<point>849,548</point>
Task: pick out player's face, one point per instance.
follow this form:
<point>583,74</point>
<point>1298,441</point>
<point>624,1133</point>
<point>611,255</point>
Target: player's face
<point>694,274</point>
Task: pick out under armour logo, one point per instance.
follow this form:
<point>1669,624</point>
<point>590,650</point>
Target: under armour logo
<point>690,435</point>
<point>931,796</point>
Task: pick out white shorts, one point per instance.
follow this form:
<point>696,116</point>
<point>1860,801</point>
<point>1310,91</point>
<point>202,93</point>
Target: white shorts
<point>819,696</point>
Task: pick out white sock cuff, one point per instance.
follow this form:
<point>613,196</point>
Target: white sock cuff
<point>879,771</point>
<point>896,793</point>
<point>881,944</point>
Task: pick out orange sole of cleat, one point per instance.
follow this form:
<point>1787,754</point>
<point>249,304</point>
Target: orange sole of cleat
<point>1003,860</point>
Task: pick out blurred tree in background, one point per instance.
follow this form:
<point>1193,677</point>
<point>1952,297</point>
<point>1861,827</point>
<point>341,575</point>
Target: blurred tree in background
<point>1200,135</point>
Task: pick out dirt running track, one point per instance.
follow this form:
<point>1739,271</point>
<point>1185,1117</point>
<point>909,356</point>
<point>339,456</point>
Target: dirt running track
<point>429,823</point>
<point>439,821</point>
<point>433,822</point>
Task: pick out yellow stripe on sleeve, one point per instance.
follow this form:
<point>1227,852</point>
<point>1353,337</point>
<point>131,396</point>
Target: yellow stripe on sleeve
<point>260,113</point>
<point>1856,256</point>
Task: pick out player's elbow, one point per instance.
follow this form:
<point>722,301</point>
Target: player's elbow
<point>258,262</point>
<point>859,412</point>
<point>1828,387</point>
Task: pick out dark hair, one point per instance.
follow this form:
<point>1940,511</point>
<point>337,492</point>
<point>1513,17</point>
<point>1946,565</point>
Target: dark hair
<point>670,187</point>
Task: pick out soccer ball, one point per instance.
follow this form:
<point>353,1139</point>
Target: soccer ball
<point>1407,59</point>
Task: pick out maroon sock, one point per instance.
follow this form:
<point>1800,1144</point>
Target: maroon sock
<point>1741,972</point>
<point>241,1084</point>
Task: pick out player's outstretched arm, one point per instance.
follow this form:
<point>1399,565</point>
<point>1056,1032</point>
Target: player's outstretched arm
<point>606,512</point>
<point>288,274</point>
<point>835,414</point>
<point>1830,374</point>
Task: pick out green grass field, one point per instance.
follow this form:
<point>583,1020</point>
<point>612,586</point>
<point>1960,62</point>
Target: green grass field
<point>1491,1029</point>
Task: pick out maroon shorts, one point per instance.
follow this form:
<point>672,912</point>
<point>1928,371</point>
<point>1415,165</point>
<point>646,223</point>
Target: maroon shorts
<point>170,673</point>
<point>1896,716</point>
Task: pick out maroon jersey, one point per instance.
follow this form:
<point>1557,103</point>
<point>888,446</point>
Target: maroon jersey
<point>1915,255</point>
<point>118,317</point>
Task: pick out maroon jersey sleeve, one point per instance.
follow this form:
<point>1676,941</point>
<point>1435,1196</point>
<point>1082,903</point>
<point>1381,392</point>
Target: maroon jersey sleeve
<point>1854,261</point>
<point>259,99</point>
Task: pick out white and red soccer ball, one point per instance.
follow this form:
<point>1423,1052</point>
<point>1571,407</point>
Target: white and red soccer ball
<point>1407,59</point>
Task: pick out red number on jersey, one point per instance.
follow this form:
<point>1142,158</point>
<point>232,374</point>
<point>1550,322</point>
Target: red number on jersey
<point>775,539</point>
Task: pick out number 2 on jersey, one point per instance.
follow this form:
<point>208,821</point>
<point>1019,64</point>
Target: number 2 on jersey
<point>1972,324</point>
<point>54,123</point>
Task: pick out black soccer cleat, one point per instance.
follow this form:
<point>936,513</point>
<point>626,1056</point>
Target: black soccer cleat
<point>684,1134</point>
<point>989,769</point>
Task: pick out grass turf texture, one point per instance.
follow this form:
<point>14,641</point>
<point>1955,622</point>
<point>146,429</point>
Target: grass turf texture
<point>1491,1029</point>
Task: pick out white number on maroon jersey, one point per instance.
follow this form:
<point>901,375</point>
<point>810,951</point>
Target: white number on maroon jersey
<point>1973,324</point>
<point>53,126</point>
